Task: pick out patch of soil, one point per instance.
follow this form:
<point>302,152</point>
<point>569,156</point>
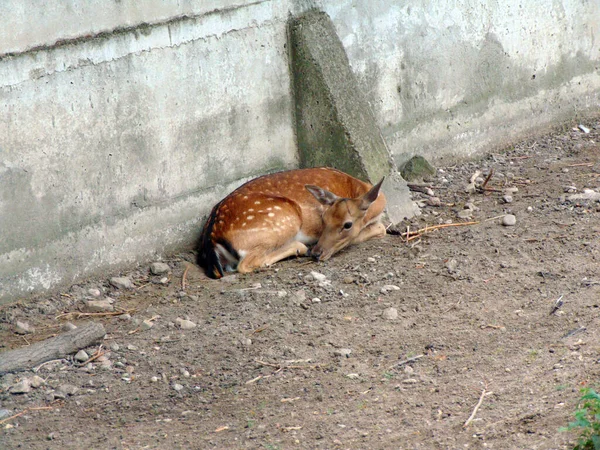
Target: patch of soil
<point>280,360</point>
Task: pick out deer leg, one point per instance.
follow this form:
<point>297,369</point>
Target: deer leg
<point>258,259</point>
<point>375,230</point>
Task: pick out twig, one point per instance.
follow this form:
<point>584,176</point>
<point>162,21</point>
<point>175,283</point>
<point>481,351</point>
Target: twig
<point>184,277</point>
<point>472,416</point>
<point>494,218</point>
<point>25,411</point>
<point>487,179</point>
<point>406,361</point>
<point>79,315</point>
<point>557,305</point>
<point>94,357</point>
<point>427,229</point>
<point>588,164</point>
<point>36,369</point>
<point>452,307</point>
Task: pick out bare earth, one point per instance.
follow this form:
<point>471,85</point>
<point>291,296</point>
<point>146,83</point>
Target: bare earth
<point>267,366</point>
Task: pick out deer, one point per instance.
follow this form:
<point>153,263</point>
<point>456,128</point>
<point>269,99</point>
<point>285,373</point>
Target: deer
<point>276,216</point>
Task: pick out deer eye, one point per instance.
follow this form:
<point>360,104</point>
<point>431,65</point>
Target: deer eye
<point>347,225</point>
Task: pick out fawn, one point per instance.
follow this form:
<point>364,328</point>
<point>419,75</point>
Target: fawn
<point>276,216</point>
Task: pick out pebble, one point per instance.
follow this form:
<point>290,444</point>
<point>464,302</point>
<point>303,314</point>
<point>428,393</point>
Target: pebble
<point>316,300</point>
<point>67,389</point>
<point>146,325</point>
<point>509,220</point>
<point>178,387</point>
<point>451,265</point>
<point>389,287</point>
<point>185,324</point>
<point>159,268</point>
<point>583,128</point>
<point>4,413</point>
<point>184,372</point>
<point>511,190</point>
<point>246,342</point>
<point>124,317</point>
<point>121,282</point>
<point>353,376</point>
<point>507,199</point>
<point>348,280</point>
<point>36,381</point>
<point>81,356</point>
<point>99,305</point>
<point>22,387</point>
<point>370,259</point>
<point>318,276</point>
<point>390,314</point>
<point>154,379</point>
<point>570,189</point>
<point>529,208</point>
<point>343,352</point>
<point>23,328</point>
<point>410,381</point>
<point>433,201</point>
<point>114,347</point>
<point>68,326</point>
<point>129,369</point>
<point>94,292</point>
<point>465,214</point>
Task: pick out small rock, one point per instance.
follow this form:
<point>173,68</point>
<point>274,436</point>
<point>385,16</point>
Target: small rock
<point>94,292</point>
<point>565,170</point>
<point>36,381</point>
<point>114,347</point>
<point>23,328</point>
<point>22,387</point>
<point>184,372</point>
<point>343,352</point>
<point>99,306</point>
<point>122,282</point>
<point>318,276</point>
<point>507,199</point>
<point>465,214</point>
<point>529,208</point>
<point>281,294</point>
<point>81,356</point>
<point>316,300</point>
<point>246,342</point>
<point>389,287</point>
<point>583,128</point>
<point>129,369</point>
<point>509,220</point>
<point>417,168</point>
<point>4,413</point>
<point>51,436</point>
<point>570,189</point>
<point>67,389</point>
<point>452,265</point>
<point>126,317</point>
<point>353,376</point>
<point>185,324</point>
<point>178,387</point>
<point>433,201</point>
<point>390,314</point>
<point>154,379</point>
<point>371,260</point>
<point>146,325</point>
<point>410,381</point>
<point>159,268</point>
<point>68,326</point>
<point>348,280</point>
<point>511,190</point>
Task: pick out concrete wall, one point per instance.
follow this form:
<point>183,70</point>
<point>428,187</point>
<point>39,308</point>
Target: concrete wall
<point>121,123</point>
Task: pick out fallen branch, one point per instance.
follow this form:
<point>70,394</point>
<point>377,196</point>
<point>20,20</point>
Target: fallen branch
<point>413,234</point>
<point>184,277</point>
<point>53,348</point>
<point>487,179</point>
<point>472,416</point>
<point>406,361</point>
<point>79,315</point>
<point>25,411</point>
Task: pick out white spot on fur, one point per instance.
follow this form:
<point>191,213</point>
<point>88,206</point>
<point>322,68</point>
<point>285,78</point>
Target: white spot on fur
<point>277,207</point>
<point>250,217</point>
<point>301,237</point>
<point>271,215</point>
<point>257,202</point>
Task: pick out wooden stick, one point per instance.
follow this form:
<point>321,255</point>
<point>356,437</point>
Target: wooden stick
<point>427,229</point>
<point>25,411</point>
<point>472,416</point>
<point>184,277</point>
<point>406,361</point>
<point>487,179</point>
<point>53,348</point>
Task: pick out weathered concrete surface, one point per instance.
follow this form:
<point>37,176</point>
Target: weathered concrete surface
<point>334,123</point>
<point>452,79</point>
<point>113,149</point>
<point>122,123</point>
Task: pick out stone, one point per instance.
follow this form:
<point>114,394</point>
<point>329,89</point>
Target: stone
<point>4,413</point>
<point>344,352</point>
<point>388,288</point>
<point>114,347</point>
<point>68,326</point>
<point>583,128</point>
<point>146,325</point>
<point>66,389</point>
<point>451,265</point>
<point>36,381</point>
<point>509,220</point>
<point>465,214</point>
<point>185,324</point>
<point>390,314</point>
<point>159,268</point>
<point>507,198</point>
<point>417,168</point>
<point>318,276</point>
<point>81,356</point>
<point>99,305</point>
<point>178,387</point>
<point>121,282</point>
<point>94,292</point>
<point>348,280</point>
<point>22,387</point>
<point>23,328</point>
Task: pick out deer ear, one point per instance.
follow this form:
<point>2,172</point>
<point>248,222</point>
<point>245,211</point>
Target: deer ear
<point>323,196</point>
<point>370,196</point>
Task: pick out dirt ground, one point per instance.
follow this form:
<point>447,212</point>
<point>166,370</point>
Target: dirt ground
<point>281,360</point>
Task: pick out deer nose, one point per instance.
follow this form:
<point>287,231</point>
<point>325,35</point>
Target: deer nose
<point>315,253</point>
